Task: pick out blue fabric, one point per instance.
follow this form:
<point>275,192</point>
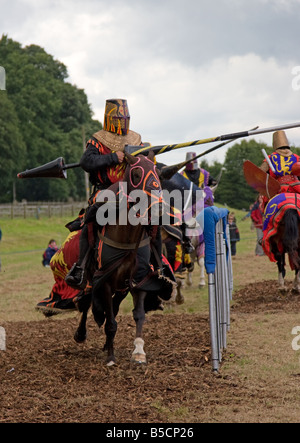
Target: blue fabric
<point>272,208</point>
<point>212,215</point>
<point>48,254</point>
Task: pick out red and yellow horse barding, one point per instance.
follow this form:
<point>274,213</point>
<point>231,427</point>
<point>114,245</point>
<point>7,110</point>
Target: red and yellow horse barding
<point>281,228</point>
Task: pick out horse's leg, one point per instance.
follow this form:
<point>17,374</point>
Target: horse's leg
<point>80,334</point>
<point>179,299</point>
<point>83,304</point>
<point>110,326</point>
<point>97,306</point>
<point>110,331</point>
<point>193,256</point>
<point>189,278</point>
<point>296,283</point>
<point>202,275</point>
<point>103,310</point>
<point>117,300</point>
<point>281,272</point>
<point>139,355</point>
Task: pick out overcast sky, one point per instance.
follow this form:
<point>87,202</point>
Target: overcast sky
<point>189,69</point>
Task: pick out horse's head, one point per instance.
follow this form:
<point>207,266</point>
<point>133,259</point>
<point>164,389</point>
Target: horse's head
<point>143,183</point>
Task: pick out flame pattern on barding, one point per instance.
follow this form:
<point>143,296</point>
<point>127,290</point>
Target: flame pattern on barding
<point>58,264</point>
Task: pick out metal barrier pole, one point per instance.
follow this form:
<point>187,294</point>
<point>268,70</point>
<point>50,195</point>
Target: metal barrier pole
<point>229,262</point>
<point>226,301</point>
<point>213,323</point>
<point>221,288</point>
<point>2,339</point>
<point>220,285</point>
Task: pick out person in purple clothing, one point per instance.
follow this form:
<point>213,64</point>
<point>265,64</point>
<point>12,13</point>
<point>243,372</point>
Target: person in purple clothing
<point>199,176</point>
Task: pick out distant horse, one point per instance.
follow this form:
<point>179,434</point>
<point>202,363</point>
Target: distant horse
<point>173,248</point>
<point>282,235</point>
<point>197,256</point>
<point>123,260</point>
<point>174,237</point>
<point>198,242</point>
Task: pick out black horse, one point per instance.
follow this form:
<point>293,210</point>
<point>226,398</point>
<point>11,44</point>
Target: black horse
<point>123,256</point>
<point>286,240</point>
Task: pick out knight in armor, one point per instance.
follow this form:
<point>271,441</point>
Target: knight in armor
<point>199,176</point>
<point>285,162</point>
<point>104,160</point>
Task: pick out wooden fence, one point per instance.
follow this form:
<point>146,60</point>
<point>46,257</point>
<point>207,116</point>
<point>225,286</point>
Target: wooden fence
<point>40,209</point>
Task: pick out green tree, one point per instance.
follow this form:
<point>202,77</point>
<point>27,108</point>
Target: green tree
<point>50,115</point>
<point>13,148</point>
<point>233,189</point>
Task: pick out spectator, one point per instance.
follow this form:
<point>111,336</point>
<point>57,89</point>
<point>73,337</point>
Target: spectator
<point>0,240</point>
<point>193,172</point>
<point>49,252</point>
<point>248,213</point>
<point>257,218</point>
<point>233,232</point>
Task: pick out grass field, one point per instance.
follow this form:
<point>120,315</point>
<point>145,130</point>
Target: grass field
<point>258,381</point>
<point>24,281</point>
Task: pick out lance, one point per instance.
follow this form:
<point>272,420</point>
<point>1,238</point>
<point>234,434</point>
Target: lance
<point>168,171</point>
<point>54,169</point>
<point>57,168</point>
<point>161,149</point>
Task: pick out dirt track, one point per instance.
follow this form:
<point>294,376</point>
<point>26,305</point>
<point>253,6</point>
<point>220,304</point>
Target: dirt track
<point>46,377</point>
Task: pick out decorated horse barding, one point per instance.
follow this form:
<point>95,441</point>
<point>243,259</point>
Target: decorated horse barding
<point>190,202</point>
<point>199,246</point>
<point>281,235</point>
<point>62,297</point>
<point>193,230</point>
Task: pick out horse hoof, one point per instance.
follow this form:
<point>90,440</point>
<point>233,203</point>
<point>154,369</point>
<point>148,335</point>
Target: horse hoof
<point>110,363</point>
<point>179,299</point>
<point>139,359</point>
<point>79,338</point>
<point>283,290</point>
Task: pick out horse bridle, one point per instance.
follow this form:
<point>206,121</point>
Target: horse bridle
<point>126,246</point>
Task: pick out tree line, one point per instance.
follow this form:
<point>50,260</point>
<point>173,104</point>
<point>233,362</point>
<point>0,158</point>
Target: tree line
<point>43,117</point>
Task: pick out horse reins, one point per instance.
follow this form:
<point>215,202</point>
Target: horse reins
<point>126,246</point>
